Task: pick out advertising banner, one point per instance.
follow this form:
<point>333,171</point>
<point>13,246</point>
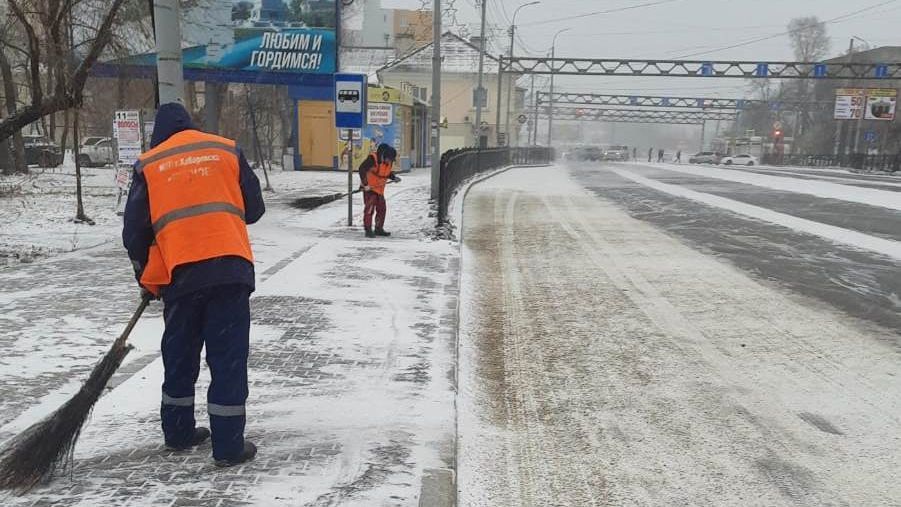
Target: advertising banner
<point>881,103</point>
<point>294,36</point>
<point>849,103</point>
<point>127,131</point>
<point>380,113</point>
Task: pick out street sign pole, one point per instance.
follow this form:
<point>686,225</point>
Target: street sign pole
<point>350,108</point>
<point>350,177</point>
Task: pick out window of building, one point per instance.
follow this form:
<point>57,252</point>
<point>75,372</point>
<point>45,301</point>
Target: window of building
<point>480,96</point>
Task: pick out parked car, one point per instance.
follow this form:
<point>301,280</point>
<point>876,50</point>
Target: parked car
<point>743,159</point>
<point>705,157</point>
<point>96,152</point>
<point>42,152</point>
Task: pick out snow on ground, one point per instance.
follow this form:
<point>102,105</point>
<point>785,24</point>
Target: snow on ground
<point>351,364</point>
<point>850,193</point>
<point>604,362</point>
<point>887,247</point>
<point>37,212</point>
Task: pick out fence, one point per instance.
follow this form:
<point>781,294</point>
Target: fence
<point>457,166</point>
<point>859,161</point>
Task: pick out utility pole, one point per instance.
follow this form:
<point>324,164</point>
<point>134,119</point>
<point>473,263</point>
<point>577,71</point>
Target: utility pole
<point>863,108</point>
<point>167,32</point>
<point>436,98</point>
<point>550,114</point>
<point>510,78</point>
<point>533,122</point>
<point>481,93</point>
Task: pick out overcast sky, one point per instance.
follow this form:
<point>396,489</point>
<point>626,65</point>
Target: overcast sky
<point>675,29</point>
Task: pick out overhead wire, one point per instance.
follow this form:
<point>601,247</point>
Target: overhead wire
<point>598,13</point>
<point>837,19</point>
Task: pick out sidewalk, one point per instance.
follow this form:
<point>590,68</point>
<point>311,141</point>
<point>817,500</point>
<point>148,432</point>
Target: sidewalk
<point>351,367</point>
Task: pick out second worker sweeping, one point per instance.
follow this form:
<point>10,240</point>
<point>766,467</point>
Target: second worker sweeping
<point>375,172</point>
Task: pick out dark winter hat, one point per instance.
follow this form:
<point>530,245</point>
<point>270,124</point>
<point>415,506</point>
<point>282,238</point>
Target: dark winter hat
<point>171,119</point>
<point>386,152</point>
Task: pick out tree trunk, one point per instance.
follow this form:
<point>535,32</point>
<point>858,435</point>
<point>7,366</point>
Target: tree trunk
<point>79,206</point>
<point>65,137</point>
<point>17,159</point>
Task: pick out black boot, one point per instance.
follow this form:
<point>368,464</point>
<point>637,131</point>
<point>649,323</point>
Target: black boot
<point>246,455</point>
<point>369,233</point>
<point>381,232</point>
<point>199,437</point>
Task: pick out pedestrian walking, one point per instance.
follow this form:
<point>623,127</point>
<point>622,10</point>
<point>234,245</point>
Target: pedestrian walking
<point>185,230</point>
<point>375,172</point>
<point>660,155</point>
<point>679,157</point>
<point>650,153</point>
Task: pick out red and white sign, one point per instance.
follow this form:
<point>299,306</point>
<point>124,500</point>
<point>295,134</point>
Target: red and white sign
<point>380,113</point>
<point>127,131</point>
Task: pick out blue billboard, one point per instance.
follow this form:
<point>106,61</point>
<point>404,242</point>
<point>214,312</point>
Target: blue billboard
<point>304,50</point>
<point>294,36</point>
<point>249,41</point>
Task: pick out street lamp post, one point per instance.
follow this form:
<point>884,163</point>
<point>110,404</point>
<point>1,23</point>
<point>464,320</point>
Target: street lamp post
<point>510,78</point>
<point>481,94</point>
<point>550,115</point>
<point>863,111</point>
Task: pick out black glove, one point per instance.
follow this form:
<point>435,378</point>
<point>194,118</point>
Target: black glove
<point>146,294</point>
<point>395,178</point>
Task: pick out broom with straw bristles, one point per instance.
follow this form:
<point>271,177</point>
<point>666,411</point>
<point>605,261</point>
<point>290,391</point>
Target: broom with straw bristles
<point>33,455</point>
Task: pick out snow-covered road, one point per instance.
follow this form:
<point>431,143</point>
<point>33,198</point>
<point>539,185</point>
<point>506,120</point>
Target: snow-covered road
<point>622,345</point>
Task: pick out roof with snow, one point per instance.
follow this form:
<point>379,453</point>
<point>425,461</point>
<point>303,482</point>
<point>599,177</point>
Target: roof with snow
<point>458,55</point>
<point>365,60</point>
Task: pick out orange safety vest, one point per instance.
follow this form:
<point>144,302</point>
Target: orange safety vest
<point>378,175</point>
<point>196,204</point>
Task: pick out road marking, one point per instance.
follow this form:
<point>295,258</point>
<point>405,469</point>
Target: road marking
<point>837,234</point>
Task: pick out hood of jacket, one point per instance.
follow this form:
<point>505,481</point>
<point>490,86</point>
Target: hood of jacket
<point>171,119</point>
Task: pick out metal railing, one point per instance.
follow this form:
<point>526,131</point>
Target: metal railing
<point>457,166</point>
<point>858,161</point>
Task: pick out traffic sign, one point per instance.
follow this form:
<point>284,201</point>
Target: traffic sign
<point>350,100</point>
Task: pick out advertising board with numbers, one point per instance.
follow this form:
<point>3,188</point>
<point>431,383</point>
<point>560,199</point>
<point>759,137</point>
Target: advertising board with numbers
<point>849,103</point>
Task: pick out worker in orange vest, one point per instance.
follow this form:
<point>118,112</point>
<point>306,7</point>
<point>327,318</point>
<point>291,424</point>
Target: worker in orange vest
<point>185,231</point>
<point>375,172</point>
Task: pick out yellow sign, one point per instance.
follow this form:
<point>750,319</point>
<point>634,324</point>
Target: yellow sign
<point>882,92</point>
<point>388,95</point>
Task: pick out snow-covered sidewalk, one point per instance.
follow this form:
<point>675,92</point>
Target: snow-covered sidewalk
<point>351,364</point>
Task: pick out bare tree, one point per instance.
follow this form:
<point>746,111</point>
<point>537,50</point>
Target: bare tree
<point>44,23</point>
<point>810,43</point>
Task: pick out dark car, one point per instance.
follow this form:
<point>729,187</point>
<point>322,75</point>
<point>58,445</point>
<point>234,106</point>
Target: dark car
<point>705,157</point>
<point>42,152</point>
<point>591,153</point>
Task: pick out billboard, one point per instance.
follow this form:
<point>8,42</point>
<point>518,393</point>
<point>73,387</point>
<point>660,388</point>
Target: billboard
<point>288,36</point>
<point>849,103</point>
<point>881,104</point>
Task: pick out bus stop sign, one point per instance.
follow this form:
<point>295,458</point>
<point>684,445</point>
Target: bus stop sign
<point>350,100</point>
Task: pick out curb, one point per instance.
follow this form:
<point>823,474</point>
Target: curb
<point>438,488</point>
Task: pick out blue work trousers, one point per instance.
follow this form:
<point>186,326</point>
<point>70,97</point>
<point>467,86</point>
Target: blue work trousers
<point>218,317</point>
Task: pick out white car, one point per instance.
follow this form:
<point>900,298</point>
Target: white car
<point>743,159</point>
<point>97,151</point>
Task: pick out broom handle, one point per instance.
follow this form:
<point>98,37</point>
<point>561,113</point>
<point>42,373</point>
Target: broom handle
<point>145,300</point>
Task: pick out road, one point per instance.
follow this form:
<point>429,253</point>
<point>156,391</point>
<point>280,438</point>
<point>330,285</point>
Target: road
<point>641,335</point>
